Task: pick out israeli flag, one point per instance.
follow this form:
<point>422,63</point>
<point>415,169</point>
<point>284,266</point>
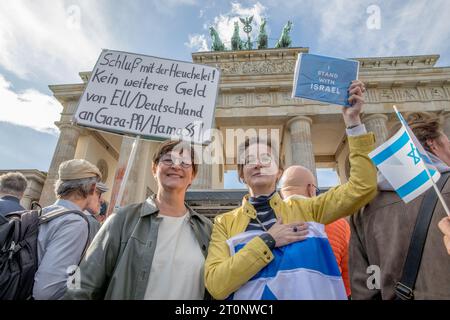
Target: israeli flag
<point>305,270</point>
<point>405,164</point>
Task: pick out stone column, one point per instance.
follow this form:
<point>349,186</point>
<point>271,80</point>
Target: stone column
<point>301,143</point>
<point>26,201</point>
<point>203,181</point>
<point>377,123</point>
<point>65,150</point>
<point>446,125</point>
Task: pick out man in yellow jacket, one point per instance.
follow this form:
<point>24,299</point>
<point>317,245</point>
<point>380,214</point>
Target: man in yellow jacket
<point>283,222</point>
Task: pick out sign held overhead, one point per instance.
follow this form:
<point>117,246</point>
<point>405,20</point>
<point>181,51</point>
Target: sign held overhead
<point>324,79</point>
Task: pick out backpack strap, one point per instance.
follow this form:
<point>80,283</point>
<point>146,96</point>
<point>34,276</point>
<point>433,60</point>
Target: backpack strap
<point>404,289</point>
<point>45,218</point>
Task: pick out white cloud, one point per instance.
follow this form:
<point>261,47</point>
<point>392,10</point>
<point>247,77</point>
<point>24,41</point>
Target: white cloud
<point>52,39</point>
<point>30,108</point>
<point>334,25</point>
<point>197,42</point>
<point>224,23</point>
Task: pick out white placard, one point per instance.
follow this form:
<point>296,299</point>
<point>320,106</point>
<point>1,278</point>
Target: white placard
<point>151,97</point>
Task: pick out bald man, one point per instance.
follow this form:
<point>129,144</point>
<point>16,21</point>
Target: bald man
<point>298,181</point>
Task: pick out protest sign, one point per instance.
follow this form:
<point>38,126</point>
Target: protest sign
<point>324,79</point>
<point>150,97</point>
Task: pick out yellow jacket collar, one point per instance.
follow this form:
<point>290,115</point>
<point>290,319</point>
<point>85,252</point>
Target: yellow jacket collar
<point>250,211</point>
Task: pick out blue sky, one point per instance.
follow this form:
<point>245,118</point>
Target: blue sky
<point>46,42</point>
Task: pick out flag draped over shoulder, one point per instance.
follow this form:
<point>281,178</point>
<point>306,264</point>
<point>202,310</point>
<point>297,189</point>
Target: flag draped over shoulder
<point>305,270</point>
<point>404,163</point>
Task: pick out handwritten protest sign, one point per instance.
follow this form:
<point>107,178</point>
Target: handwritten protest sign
<point>150,97</point>
<point>324,79</point>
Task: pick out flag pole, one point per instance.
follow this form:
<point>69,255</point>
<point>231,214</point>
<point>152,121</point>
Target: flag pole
<point>127,173</point>
<point>441,198</point>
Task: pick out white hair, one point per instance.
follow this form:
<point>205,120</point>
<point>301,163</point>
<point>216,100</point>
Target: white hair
<point>82,187</point>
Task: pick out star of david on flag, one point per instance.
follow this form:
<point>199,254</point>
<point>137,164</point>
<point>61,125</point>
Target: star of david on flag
<point>404,163</point>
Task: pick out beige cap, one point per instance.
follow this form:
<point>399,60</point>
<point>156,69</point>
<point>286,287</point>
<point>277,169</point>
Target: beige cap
<point>77,169</point>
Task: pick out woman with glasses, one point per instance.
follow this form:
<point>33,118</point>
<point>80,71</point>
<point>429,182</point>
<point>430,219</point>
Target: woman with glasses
<point>155,249</point>
<point>252,253</point>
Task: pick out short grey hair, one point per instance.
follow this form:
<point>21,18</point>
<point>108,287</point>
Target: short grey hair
<point>13,183</point>
<point>82,187</point>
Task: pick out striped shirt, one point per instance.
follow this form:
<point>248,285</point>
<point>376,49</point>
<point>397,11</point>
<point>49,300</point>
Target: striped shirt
<point>264,213</point>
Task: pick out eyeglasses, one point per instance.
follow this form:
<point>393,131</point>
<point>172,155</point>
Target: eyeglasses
<point>170,161</point>
<point>317,189</point>
<point>265,159</point>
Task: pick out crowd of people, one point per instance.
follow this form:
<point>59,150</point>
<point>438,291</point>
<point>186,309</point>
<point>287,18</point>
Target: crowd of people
<point>282,243</point>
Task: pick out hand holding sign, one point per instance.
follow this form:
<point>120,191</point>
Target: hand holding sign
<point>356,99</point>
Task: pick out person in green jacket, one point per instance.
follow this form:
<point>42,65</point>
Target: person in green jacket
<point>283,222</point>
<point>152,250</point>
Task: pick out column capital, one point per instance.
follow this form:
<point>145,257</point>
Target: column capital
<point>445,114</point>
<point>300,119</point>
<point>373,116</point>
<point>377,123</point>
<point>67,125</point>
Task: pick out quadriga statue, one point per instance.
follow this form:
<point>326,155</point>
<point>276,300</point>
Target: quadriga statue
<point>285,40</point>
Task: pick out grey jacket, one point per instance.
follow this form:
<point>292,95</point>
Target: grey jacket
<point>118,262</point>
<point>61,243</point>
<point>94,226</point>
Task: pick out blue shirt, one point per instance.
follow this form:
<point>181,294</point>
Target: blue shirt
<point>9,204</point>
<point>61,243</point>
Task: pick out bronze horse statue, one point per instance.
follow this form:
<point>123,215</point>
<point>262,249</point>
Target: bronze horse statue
<point>217,44</point>
<point>285,40</point>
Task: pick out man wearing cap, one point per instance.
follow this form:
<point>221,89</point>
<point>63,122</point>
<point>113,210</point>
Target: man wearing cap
<point>94,209</point>
<point>61,241</point>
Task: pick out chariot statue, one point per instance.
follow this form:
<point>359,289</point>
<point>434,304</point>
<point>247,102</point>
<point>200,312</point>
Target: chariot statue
<point>236,42</point>
<point>217,44</point>
<point>285,40</point>
<point>262,37</point>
